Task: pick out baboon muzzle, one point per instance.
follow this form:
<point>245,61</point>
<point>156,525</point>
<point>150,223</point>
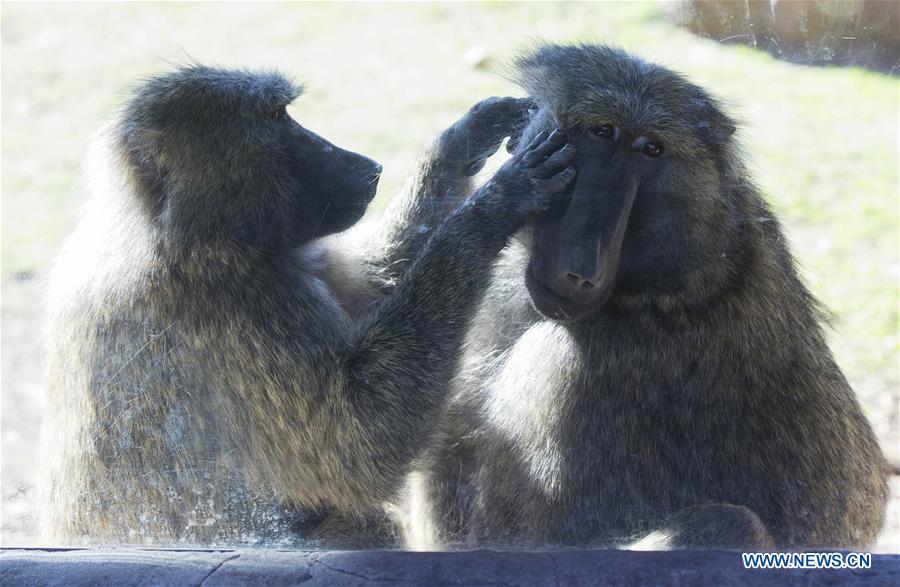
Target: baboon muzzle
<point>581,258</point>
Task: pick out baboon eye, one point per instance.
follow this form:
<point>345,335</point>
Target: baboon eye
<point>606,131</point>
<point>651,149</point>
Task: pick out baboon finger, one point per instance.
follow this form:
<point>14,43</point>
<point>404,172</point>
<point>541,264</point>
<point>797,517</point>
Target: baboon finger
<point>558,182</point>
<point>504,116</point>
<point>503,107</point>
<point>526,108</point>
<point>556,162</point>
<point>549,146</point>
<point>512,112</point>
<point>518,108</point>
<point>537,140</point>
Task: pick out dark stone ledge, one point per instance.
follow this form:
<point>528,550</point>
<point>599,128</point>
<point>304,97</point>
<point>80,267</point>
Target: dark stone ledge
<point>31,566</point>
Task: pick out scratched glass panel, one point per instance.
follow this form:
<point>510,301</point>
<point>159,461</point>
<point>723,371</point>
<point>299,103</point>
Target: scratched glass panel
<point>550,418</point>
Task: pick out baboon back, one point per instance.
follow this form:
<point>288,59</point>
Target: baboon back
<point>225,366</point>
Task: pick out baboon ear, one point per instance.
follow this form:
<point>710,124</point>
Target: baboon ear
<point>715,132</point>
<point>714,127</point>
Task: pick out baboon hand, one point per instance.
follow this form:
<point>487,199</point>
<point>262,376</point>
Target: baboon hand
<point>530,108</point>
<point>478,134</point>
<point>536,176</point>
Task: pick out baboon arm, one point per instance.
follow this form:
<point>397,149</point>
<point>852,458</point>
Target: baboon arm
<point>365,262</point>
<point>373,390</point>
<point>442,180</point>
<point>436,188</point>
<point>351,419</point>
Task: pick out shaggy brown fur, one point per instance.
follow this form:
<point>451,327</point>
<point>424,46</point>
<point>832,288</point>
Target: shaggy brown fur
<point>676,380</point>
<point>219,372</point>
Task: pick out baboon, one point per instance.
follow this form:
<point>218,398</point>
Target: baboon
<point>208,382</point>
<point>646,362</point>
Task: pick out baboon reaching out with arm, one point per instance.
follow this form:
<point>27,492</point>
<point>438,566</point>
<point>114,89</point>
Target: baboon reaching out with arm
<point>380,251</point>
<point>203,372</point>
<point>646,361</point>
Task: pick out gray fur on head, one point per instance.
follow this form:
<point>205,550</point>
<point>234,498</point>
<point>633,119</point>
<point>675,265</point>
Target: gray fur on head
<point>584,84</point>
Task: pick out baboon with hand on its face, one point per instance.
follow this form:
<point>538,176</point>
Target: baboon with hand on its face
<point>220,372</point>
<point>646,362</point>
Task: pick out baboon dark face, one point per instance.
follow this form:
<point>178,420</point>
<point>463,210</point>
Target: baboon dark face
<point>332,186</point>
<point>220,158</point>
<point>644,217</point>
<point>577,253</point>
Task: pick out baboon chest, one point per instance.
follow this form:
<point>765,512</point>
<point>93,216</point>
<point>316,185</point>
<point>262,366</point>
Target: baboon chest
<point>581,430</point>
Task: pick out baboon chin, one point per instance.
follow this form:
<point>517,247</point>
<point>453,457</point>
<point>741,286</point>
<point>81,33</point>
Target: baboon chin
<point>646,359</point>
<point>220,373</point>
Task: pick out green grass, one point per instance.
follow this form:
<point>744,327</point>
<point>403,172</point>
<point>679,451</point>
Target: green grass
<point>383,78</point>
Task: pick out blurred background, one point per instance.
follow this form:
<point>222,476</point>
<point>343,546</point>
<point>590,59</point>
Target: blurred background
<point>814,83</point>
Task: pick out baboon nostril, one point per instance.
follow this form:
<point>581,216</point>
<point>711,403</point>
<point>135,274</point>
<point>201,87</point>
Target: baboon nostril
<point>579,281</point>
